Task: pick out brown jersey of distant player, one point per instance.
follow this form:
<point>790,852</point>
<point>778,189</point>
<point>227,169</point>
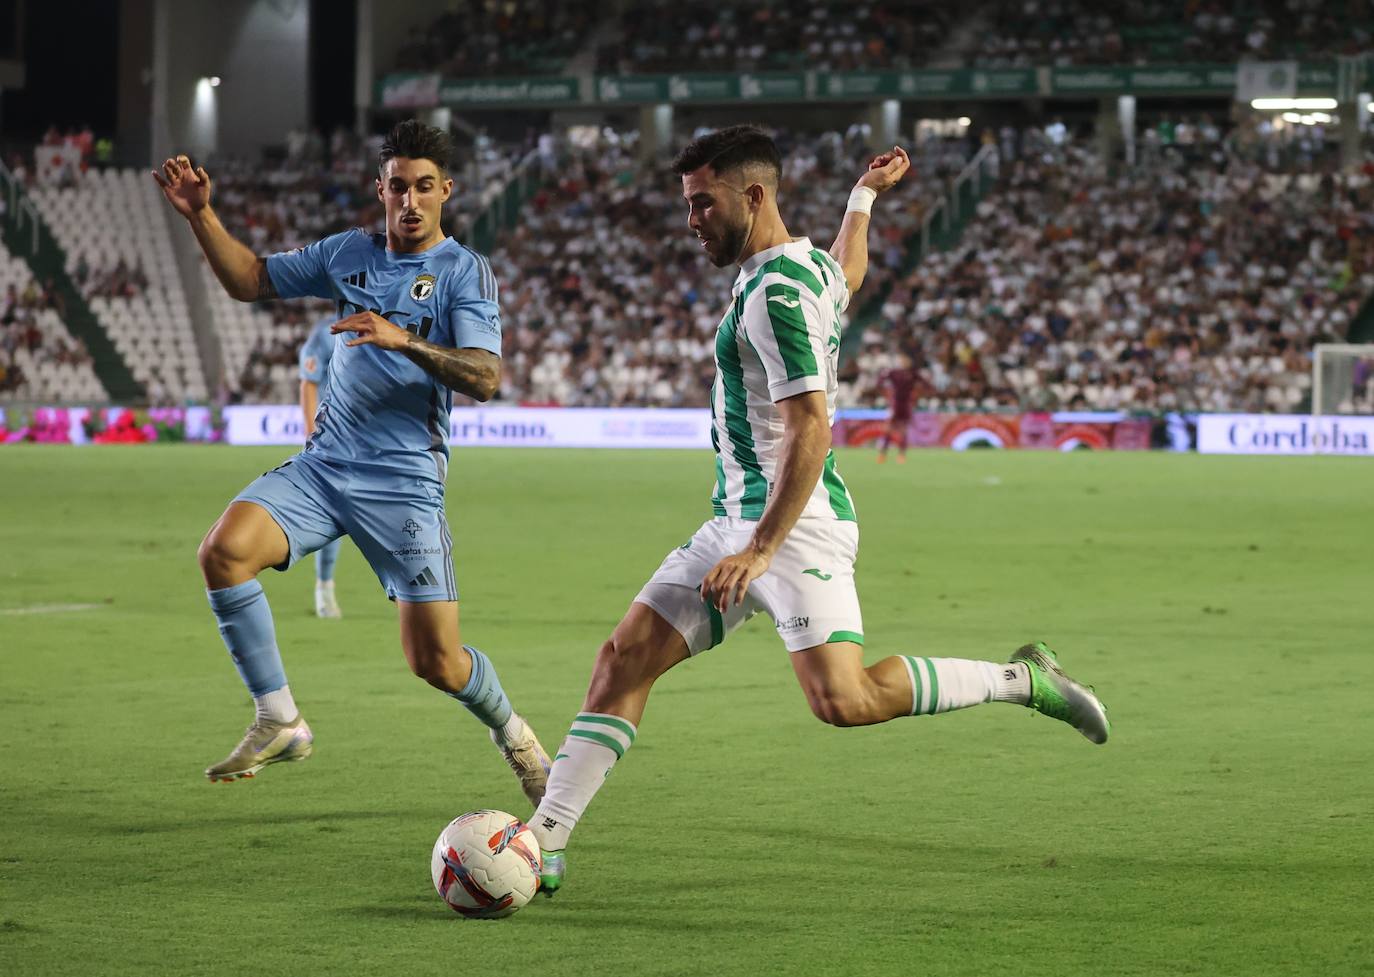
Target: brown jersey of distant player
<point>899,388</point>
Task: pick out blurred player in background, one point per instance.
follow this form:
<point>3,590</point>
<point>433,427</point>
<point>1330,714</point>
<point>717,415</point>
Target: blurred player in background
<point>899,385</point>
<point>785,535</point>
<point>314,364</point>
<point>423,315</point>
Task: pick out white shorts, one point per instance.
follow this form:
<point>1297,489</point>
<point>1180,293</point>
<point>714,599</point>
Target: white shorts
<point>808,590</point>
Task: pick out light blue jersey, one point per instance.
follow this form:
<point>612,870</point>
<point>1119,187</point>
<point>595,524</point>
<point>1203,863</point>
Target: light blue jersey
<point>317,351</point>
<point>378,409</point>
<point>314,363</point>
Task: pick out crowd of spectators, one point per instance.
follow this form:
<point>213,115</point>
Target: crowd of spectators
<point>1030,33</point>
<point>1164,286</point>
<point>480,38</point>
<point>318,187</point>
<point>745,35</point>
<point>123,280</point>
<point>22,329</point>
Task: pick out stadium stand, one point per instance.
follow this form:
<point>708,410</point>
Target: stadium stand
<point>1066,290</point>
<point>509,37</point>
<point>1198,278</point>
<point>532,37</point>
<point>696,35</point>
<point>1029,33</point>
<point>39,358</point>
<point>1166,286</point>
<point>113,228</point>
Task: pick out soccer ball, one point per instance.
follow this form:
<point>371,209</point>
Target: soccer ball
<point>485,864</point>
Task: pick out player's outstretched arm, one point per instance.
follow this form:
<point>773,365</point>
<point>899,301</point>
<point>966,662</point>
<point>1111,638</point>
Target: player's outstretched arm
<point>242,273</point>
<point>475,373</point>
<point>851,246</point>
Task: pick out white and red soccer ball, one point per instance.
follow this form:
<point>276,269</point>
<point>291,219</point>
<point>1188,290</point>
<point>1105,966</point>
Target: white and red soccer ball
<point>485,864</point>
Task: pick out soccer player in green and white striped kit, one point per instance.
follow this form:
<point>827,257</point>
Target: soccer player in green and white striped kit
<point>784,537</point>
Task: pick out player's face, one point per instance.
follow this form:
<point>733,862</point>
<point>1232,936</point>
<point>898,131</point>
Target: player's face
<point>718,213</point>
<point>414,192</point>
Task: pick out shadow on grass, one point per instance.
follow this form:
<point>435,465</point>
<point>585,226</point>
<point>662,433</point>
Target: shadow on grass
<point>255,819</point>
<point>429,910</point>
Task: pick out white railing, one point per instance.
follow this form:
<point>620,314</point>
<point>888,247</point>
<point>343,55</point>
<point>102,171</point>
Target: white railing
<point>947,208</point>
<point>496,208</point>
<point>20,207</point>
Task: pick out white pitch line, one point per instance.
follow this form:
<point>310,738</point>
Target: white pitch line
<point>48,609</point>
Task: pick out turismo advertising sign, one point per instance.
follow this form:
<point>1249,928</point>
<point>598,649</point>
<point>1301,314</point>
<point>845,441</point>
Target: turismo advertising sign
<point>533,427</point>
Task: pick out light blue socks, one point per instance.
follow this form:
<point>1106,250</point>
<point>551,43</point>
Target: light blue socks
<point>483,695</point>
<point>245,623</point>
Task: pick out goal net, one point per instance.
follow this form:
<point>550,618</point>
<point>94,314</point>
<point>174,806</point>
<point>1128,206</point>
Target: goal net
<point>1342,379</point>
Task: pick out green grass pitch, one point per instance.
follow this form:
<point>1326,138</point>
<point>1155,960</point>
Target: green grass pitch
<point>1220,605</point>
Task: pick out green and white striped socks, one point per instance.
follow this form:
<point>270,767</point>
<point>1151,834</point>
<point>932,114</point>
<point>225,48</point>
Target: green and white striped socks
<point>595,742</point>
<point>944,684</point>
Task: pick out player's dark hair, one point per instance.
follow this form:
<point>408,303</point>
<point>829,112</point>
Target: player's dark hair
<point>412,139</point>
<point>730,149</point>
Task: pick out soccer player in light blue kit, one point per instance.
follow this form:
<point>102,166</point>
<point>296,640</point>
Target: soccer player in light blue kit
<point>314,365</point>
<point>420,315</point>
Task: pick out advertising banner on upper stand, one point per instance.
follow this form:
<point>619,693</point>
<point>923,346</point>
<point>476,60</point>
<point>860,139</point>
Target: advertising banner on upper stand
<point>1245,80</point>
<point>422,91</point>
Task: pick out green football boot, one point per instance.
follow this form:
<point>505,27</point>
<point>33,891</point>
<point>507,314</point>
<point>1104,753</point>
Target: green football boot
<point>1056,695</point>
<point>265,742</point>
<point>552,872</point>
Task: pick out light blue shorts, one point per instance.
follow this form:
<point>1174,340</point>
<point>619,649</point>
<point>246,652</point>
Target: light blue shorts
<point>397,521</point>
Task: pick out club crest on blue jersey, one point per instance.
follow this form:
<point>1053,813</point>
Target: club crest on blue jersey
<point>422,288</point>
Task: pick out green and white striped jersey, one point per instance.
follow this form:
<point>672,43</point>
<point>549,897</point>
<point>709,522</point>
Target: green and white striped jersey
<point>780,338</point>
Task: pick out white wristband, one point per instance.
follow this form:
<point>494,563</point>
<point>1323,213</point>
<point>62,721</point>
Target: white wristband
<point>861,200</point>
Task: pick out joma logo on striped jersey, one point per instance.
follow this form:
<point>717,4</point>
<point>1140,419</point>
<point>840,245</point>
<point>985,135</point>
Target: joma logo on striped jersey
<point>785,302</point>
<point>393,316</point>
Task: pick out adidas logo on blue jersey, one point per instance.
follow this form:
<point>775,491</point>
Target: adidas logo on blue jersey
<point>360,279</point>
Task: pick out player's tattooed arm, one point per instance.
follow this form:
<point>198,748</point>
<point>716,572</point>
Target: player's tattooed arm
<point>473,372</point>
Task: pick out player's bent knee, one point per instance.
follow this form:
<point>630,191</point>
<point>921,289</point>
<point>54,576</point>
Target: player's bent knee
<point>446,671</point>
<point>219,555</point>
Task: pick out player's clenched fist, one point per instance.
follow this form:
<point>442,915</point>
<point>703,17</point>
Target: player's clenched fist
<point>372,330</point>
<point>886,170</point>
<point>186,187</point>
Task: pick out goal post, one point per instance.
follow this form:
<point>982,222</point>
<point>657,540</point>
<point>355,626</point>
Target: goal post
<point>1342,379</point>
